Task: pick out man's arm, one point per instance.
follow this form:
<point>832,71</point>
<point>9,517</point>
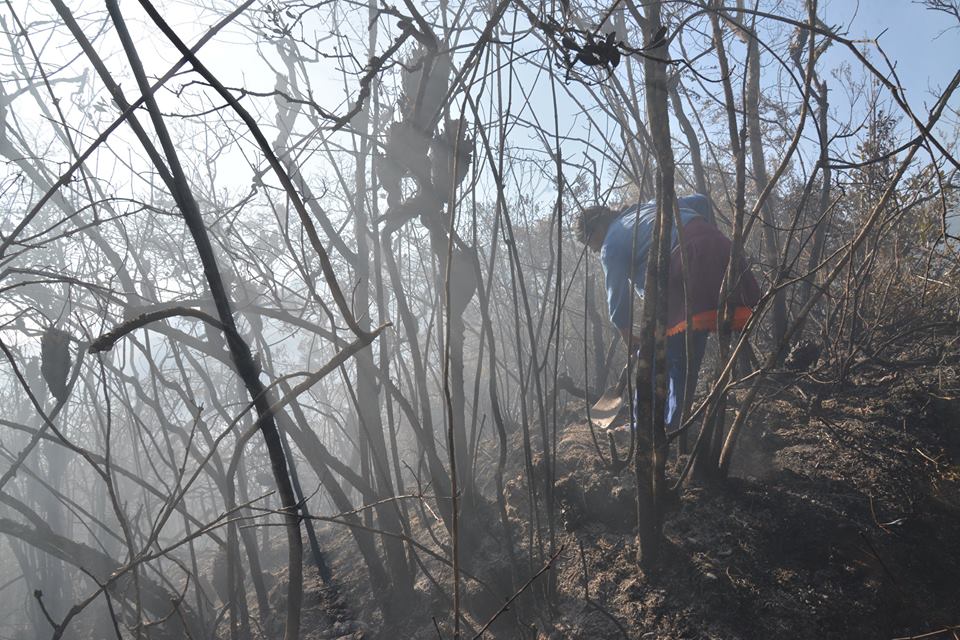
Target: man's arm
<point>617,278</point>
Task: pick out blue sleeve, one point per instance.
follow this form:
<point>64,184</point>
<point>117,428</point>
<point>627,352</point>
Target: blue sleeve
<point>616,271</point>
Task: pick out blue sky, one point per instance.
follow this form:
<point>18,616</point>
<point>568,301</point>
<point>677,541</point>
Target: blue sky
<point>924,45</point>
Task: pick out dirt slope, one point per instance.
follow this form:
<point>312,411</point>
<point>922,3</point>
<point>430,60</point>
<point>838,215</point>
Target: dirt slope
<point>843,522</point>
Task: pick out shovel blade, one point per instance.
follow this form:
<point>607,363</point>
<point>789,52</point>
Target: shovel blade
<point>608,408</point>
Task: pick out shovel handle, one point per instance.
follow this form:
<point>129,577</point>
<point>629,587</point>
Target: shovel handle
<point>622,380</point>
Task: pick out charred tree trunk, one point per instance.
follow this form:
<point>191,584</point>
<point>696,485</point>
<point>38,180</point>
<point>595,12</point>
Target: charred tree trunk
<point>707,448</point>
<point>651,446</point>
<point>368,391</point>
<point>755,139</point>
<point>242,358</point>
<point>823,199</point>
<point>693,142</point>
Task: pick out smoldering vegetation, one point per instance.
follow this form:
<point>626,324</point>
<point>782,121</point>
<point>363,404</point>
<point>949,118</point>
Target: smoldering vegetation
<point>298,340</point>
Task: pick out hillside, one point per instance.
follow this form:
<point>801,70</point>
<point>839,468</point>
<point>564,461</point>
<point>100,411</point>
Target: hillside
<point>842,520</point>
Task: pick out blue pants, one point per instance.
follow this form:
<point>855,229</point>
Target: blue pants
<point>677,361</point>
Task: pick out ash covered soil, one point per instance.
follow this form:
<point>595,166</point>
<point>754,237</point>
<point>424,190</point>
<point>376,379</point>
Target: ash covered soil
<point>841,520</point>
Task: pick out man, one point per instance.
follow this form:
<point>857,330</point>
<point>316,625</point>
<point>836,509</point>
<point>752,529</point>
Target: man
<point>623,240</point>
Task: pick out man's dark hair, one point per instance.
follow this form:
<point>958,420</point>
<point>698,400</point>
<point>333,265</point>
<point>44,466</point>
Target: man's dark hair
<point>590,218</point>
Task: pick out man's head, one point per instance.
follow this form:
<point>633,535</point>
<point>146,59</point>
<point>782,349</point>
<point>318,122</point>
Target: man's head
<point>591,225</point>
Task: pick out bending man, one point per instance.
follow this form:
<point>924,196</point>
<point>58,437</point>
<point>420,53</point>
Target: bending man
<point>623,239</point>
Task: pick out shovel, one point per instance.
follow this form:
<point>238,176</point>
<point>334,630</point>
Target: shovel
<point>610,406</point>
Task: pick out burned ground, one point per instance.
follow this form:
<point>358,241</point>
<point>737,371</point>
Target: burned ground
<point>841,520</point>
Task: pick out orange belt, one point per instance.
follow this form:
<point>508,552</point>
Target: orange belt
<point>707,321</point>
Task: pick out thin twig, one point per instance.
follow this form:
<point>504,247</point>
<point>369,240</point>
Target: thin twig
<point>526,585</point>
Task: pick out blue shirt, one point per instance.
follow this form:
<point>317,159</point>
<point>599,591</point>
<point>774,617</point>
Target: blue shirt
<point>618,247</point>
